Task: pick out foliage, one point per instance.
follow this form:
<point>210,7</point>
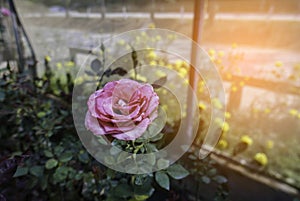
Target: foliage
<point>47,160</point>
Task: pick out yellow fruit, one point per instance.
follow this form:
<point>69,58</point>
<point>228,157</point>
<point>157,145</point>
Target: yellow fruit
<point>261,158</point>
<point>246,139</point>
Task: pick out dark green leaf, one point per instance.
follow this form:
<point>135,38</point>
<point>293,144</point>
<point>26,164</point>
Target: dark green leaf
<point>205,179</point>
<point>44,182</point>
<point>150,158</point>
<point>162,163</point>
<point>37,170</point>
<point>78,176</point>
<point>21,171</point>
<point>123,191</point>
<point>162,180</point>
<point>150,148</point>
<point>109,160</point>
<point>212,172</point>
<point>102,47</point>
<point>102,140</point>
<point>134,58</point>
<point>120,71</point>
<point>177,171</point>
<point>132,167</point>
<point>60,174</point>
<point>122,157</point>
<point>220,179</point>
<point>58,150</point>
<point>239,148</point>
<point>65,157</point>
<point>155,127</point>
<point>32,182</point>
<point>51,163</point>
<point>48,154</point>
<point>157,137</point>
<point>114,150</point>
<point>145,188</point>
<point>107,72</point>
<point>83,157</point>
<point>139,179</point>
<point>160,82</point>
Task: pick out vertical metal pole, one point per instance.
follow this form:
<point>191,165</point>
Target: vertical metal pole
<point>16,25</point>
<point>193,78</point>
<point>21,64</point>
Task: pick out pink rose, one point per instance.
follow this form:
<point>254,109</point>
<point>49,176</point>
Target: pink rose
<point>5,12</point>
<point>123,109</point>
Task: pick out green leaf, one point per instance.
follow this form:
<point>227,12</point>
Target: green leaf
<point>51,163</point>
<point>58,150</point>
<point>153,130</point>
<point>83,157</point>
<point>109,160</point>
<point>21,171</point>
<point>60,174</point>
<point>71,173</point>
<point>212,172</point>
<point>122,157</point>
<point>160,82</point>
<point>114,150</point>
<point>33,181</point>
<point>176,171</point>
<point>144,185</point>
<point>141,197</point>
<point>41,114</point>
<point>65,157</point>
<point>162,163</point>
<point>37,170</point>
<point>157,137</point>
<point>102,140</point>
<point>150,158</point>
<point>220,179</point>
<point>78,176</point>
<point>48,154</point>
<point>150,148</point>
<point>123,190</point>
<point>120,71</point>
<point>132,167</point>
<point>162,180</point>
<point>44,182</point>
<point>205,179</point>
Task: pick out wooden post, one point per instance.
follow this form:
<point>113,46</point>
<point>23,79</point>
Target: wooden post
<point>235,98</point>
<point>193,78</point>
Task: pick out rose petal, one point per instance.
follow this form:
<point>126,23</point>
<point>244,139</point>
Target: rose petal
<point>92,103</point>
<point>153,104</point>
<point>124,90</point>
<point>92,124</point>
<point>110,86</point>
<point>119,127</point>
<point>135,133</point>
